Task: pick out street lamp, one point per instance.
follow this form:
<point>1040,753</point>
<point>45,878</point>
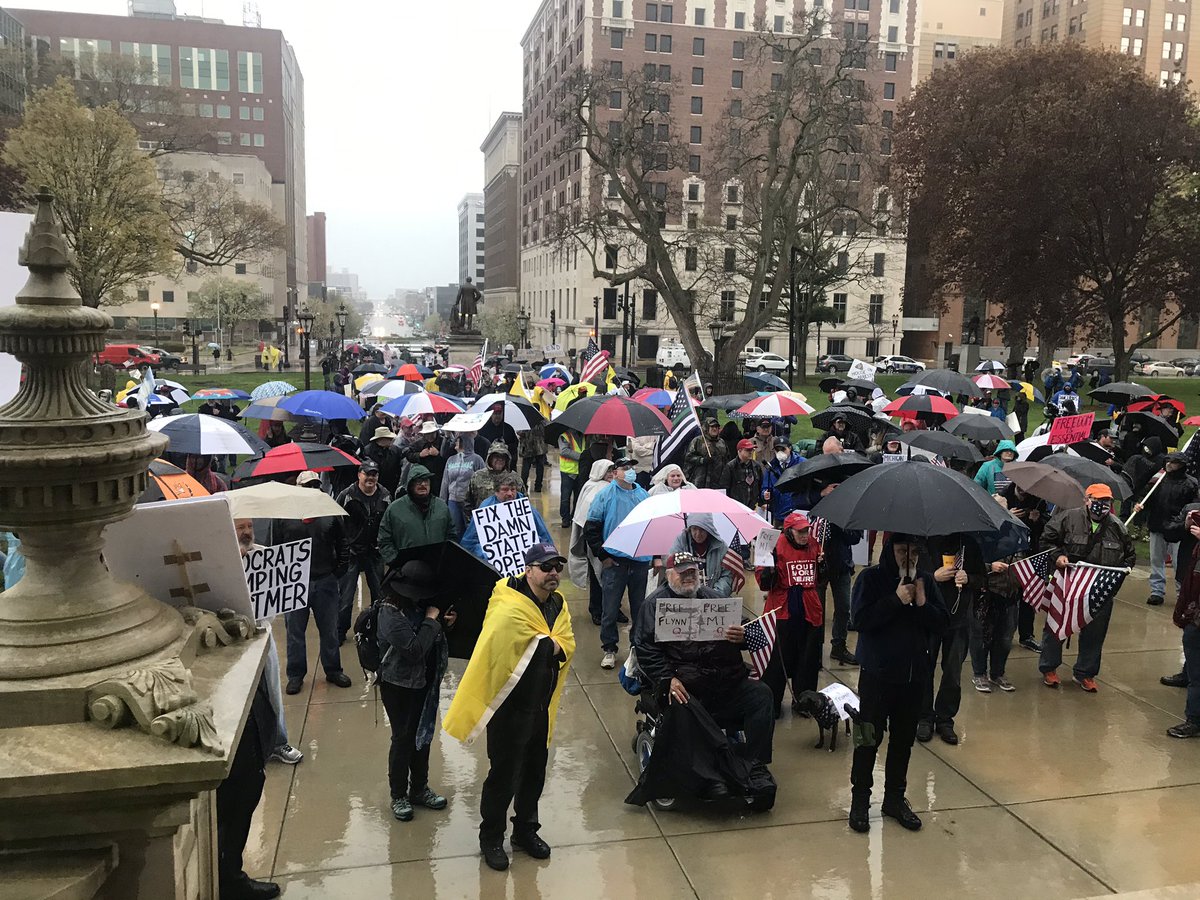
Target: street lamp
<point>895,325</point>
<point>716,328</point>
<point>305,318</point>
<point>342,315</point>
<point>154,309</point>
<point>523,326</point>
<point>287,335</point>
<point>193,333</point>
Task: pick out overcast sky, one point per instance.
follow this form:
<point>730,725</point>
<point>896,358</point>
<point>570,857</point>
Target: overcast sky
<point>398,98</point>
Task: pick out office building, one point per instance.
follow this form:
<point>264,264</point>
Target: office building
<point>471,228</point>
<point>316,255</point>
<point>502,209</point>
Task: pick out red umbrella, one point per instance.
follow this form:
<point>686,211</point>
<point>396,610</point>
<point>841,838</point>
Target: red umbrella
<point>1156,401</point>
<point>1191,420</point>
<point>992,383</point>
<point>294,458</point>
<point>914,404</point>
<point>409,373</point>
<point>610,415</point>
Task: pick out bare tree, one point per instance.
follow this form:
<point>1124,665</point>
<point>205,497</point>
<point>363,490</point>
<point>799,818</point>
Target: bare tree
<point>790,167</point>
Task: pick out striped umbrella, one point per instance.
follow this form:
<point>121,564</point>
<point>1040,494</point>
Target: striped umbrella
<point>322,405</point>
<point>268,409</point>
<point>913,405</point>
<point>774,405</point>
<point>611,415</point>
<point>391,389</point>
<point>207,435</point>
<point>518,412</point>
<point>294,458</point>
<point>220,394</point>
<point>555,370</point>
<point>992,382</point>
<point>271,389</point>
<point>424,403</point>
<point>652,526</point>
<point>363,380</point>
<point>656,397</point>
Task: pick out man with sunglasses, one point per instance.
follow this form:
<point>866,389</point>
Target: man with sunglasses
<point>526,638</point>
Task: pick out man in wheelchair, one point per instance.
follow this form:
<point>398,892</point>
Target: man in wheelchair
<point>710,675</point>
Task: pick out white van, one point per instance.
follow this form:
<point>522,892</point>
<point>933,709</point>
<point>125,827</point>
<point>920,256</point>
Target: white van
<point>671,354</point>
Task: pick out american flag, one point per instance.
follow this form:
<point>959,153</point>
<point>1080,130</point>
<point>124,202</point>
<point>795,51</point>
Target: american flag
<point>819,529</point>
<point>1034,574</point>
<point>939,461</point>
<point>594,361</point>
<point>734,563</point>
<point>760,640</point>
<point>476,372</point>
<point>684,428</point>
<point>1079,592</point>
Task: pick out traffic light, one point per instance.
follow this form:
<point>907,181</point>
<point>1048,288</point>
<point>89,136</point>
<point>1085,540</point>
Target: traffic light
<point>553,317</point>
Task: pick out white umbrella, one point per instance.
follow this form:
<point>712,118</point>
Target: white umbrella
<point>207,435</point>
<point>652,526</point>
<point>990,365</point>
<point>1028,445</point>
<point>272,500</point>
<point>383,391</point>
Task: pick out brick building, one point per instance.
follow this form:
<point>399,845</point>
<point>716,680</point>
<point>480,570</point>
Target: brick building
<point>502,209</point>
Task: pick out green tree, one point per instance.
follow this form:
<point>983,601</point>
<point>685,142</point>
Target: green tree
<point>106,193</point>
<point>497,322</point>
<point>230,302</point>
<point>433,324</point>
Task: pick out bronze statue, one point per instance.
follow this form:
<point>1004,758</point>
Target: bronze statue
<point>466,305</point>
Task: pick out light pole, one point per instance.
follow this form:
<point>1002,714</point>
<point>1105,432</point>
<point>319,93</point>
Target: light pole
<point>523,326</point>
<point>154,309</point>
<point>305,318</point>
<point>189,331</point>
<point>623,305</point>
<point>342,315</point>
<point>596,318</point>
<point>716,328</point>
<point>287,335</point>
<point>895,325</point>
<point>553,327</point>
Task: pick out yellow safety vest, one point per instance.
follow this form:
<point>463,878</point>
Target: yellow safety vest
<point>569,466</point>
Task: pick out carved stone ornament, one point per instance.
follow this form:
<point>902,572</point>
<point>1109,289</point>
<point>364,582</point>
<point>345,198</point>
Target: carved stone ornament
<point>161,701</point>
<point>211,630</point>
<point>191,726</point>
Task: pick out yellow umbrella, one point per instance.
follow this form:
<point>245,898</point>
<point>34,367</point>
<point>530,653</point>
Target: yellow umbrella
<point>1027,390</point>
<point>569,393</point>
<point>363,380</point>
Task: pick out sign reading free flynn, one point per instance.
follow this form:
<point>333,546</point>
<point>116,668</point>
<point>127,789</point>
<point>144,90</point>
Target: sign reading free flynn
<point>695,618</point>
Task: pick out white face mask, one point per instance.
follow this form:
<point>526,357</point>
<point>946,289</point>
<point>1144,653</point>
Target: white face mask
<point>782,455</point>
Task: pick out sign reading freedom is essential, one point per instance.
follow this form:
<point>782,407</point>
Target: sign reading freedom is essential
<point>278,577</point>
<point>506,531</point>
<point>695,618</point>
<point>1071,429</point>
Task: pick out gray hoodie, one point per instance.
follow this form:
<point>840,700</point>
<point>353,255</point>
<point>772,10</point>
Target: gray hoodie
<point>716,576</point>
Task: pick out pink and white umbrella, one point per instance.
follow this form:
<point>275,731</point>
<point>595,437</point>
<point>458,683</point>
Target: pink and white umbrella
<point>779,403</point>
<point>992,383</point>
<point>651,527</point>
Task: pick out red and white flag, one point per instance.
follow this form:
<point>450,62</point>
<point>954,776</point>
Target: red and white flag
<point>1079,591</point>
<point>1034,574</point>
<point>476,372</point>
<point>595,361</point>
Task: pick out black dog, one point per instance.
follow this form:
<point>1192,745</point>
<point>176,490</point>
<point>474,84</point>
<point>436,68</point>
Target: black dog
<point>823,710</point>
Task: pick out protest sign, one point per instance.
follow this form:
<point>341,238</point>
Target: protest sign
<point>860,369</point>
<point>278,577</point>
<point>467,421</point>
<point>1071,429</point>
<point>695,618</point>
<point>764,547</point>
<point>893,457</point>
<point>841,695</point>
<point>506,531</point>
<point>1013,422</point>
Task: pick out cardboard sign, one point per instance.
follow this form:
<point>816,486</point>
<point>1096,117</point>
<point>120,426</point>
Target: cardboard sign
<point>467,421</point>
<point>552,350</point>
<point>1072,429</point>
<point>1013,423</point>
<point>863,370</point>
<point>893,457</point>
<point>278,577</point>
<point>506,531</point>
<point>764,547</point>
<point>841,695</point>
<point>695,618</point>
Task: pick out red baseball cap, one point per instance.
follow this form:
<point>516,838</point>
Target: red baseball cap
<point>797,520</point>
<point>745,444</point>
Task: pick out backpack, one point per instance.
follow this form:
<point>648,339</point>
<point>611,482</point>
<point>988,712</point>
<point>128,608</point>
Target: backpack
<point>366,639</point>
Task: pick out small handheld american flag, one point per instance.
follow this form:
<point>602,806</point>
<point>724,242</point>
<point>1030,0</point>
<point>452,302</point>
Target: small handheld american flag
<point>594,361</point>
<point>1034,574</point>
<point>476,372</point>
<point>819,529</point>
<point>734,563</point>
<point>760,640</point>
<point>1077,595</point>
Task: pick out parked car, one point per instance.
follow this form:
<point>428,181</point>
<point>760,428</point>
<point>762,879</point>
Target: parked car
<point>892,364</point>
<point>766,362</point>
<point>127,356</point>
<point>671,354</point>
<point>834,362</point>
<point>1159,369</point>
<point>1187,363</point>
<point>166,361</point>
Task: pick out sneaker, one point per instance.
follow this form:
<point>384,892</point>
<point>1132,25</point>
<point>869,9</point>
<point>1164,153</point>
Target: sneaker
<point>531,844</point>
<point>1179,679</point>
<point>1088,684</point>
<point>1031,643</point>
<point>286,753</point>
<point>566,525</point>
<point>1050,679</point>
<point>294,685</point>
<point>495,857</point>
<point>609,661</point>
<point>429,799</point>
<point>924,731</point>
<point>1004,684</point>
<point>981,684</point>
<point>1184,730</point>
<point>402,809</point>
<point>338,679</point>
<point>902,812</point>
<point>1155,600</point>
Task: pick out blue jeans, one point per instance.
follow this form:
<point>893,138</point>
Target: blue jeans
<point>458,516</point>
<point>372,567</point>
<point>1003,618</point>
<point>1159,548</point>
<point>624,574</point>
<point>1191,665</point>
<point>274,691</point>
<point>1090,642</point>
<point>840,585</point>
<point>566,494</point>
<point>323,602</point>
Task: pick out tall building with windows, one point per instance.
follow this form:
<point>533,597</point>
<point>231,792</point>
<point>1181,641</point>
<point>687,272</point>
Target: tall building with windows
<point>702,46</point>
<point>1159,33</point>
<point>243,84</point>
<point>502,209</point>
<point>472,227</point>
<point>950,28</point>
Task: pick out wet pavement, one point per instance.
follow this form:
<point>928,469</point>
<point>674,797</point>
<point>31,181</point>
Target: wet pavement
<point>1050,794</point>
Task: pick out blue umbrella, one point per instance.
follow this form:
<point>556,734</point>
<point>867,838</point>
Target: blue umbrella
<point>767,381</point>
<point>271,389</point>
<point>423,371</point>
<point>220,394</point>
<point>323,405</point>
<point>555,370</point>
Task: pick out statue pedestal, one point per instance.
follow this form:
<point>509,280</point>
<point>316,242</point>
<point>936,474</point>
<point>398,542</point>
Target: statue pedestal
<point>92,811</point>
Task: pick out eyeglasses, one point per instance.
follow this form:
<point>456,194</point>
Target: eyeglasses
<point>551,567</point>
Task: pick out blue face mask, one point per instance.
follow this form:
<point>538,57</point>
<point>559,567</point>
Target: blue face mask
<point>630,476</point>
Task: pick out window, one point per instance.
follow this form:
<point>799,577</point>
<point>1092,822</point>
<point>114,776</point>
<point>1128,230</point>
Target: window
<point>691,258</point>
<point>610,257</point>
<point>877,265</point>
<point>875,310</point>
<point>239,268</point>
<point>697,106</point>
<point>244,113</point>
<point>667,13</point>
<point>1169,22</point>
<point>735,107</point>
<point>614,100</point>
<point>738,78</point>
<point>610,304</point>
<point>893,34</point>
<point>258,114</point>
<point>839,309</point>
<point>224,137</point>
<point>652,43</point>
<point>1166,49</point>
<point>244,140</point>
<point>890,60</point>
<point>699,17</point>
<point>1126,16</point>
<point>168,296</point>
<point>889,90</point>
<point>872,348</point>
<point>697,75</point>
<point>250,73</point>
<point>224,112</point>
<point>739,49</point>
<point>731,223</point>
<point>618,9</point>
<point>728,306</point>
<point>614,188</point>
<point>739,20</point>
<point>651,12</point>
<point>731,194</point>
<point>693,190</point>
<point>259,140</point>
<point>778,25</point>
<point>143,295</point>
<point>649,304</point>
<point>694,162</point>
<point>776,81</point>
<point>697,46</point>
<point>616,39</point>
<point>885,118</point>
<point>1137,46</point>
<point>1139,18</point>
<point>239,178</point>
<point>730,259</point>
<point>894,7</point>
<point>836,346</point>
<point>206,110</point>
<point>843,262</point>
<point>1180,22</point>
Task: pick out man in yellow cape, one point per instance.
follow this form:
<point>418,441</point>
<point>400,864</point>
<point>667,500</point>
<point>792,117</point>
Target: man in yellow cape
<point>512,689</point>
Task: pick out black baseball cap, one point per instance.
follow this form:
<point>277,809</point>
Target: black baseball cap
<point>543,552</point>
<point>624,462</point>
<point>369,467</point>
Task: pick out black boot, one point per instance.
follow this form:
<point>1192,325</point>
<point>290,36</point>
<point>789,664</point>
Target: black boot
<point>839,653</point>
<point>1179,679</point>
<point>860,813</point>
<point>897,808</point>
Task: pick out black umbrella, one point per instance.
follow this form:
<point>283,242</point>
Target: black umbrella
<point>628,374</point>
<point>948,381</point>
<point>1120,393</point>
<point>944,445</point>
<point>837,382</point>
<point>464,581</point>
<point>1088,473</point>
<point>979,428</point>
<point>515,369</point>
<point>1152,426</point>
<point>605,414</point>
<point>831,468</point>
<point>857,418</point>
<point>728,402</point>
<point>1092,451</point>
<point>913,497</point>
<point>370,369</point>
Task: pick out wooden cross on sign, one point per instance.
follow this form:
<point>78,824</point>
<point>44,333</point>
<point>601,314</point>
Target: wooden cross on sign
<point>181,559</point>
